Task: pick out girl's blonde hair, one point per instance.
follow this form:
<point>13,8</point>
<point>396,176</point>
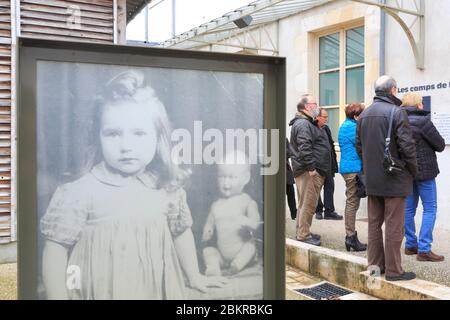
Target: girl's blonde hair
<point>411,100</point>
<point>130,87</point>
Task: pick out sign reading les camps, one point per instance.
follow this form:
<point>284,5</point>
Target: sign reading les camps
<point>425,87</point>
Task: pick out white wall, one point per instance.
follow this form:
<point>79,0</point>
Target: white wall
<point>400,64</point>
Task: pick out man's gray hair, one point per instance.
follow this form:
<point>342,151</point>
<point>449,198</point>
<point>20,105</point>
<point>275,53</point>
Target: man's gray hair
<point>303,101</point>
<point>385,84</point>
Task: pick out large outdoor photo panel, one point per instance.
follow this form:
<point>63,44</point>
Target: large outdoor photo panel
<point>149,174</point>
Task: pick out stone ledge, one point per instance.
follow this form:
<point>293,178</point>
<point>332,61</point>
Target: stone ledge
<point>350,271</point>
<point>416,289</point>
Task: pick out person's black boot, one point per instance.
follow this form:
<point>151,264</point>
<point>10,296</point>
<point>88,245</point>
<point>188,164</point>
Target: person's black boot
<point>353,243</point>
<point>332,216</point>
<point>294,214</point>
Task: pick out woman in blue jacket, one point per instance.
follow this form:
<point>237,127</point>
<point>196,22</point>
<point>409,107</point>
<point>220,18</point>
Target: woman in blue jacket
<point>350,166</point>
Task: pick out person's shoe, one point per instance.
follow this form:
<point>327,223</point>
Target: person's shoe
<point>316,236</point>
<point>403,277</point>
<point>430,257</point>
<point>332,216</point>
<point>354,243</point>
<point>410,251</point>
<point>293,214</point>
<point>311,240</point>
<point>319,216</point>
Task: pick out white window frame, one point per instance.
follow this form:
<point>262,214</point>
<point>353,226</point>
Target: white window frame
<point>342,30</point>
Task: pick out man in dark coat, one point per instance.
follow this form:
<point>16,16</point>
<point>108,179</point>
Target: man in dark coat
<point>311,163</point>
<point>328,187</point>
<point>387,191</point>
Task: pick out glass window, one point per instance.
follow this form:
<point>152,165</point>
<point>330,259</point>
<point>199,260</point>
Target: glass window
<point>329,52</point>
<point>329,89</point>
<point>333,122</point>
<point>355,46</point>
<point>355,85</point>
<point>341,71</point>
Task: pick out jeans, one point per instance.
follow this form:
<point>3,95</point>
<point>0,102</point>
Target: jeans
<point>328,196</point>
<point>426,190</point>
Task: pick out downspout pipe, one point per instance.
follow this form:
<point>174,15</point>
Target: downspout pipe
<point>382,40</point>
<point>174,17</point>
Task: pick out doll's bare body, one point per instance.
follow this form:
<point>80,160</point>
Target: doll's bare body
<point>233,217</point>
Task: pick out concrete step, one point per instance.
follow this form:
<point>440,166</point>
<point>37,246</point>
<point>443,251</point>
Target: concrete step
<point>416,289</point>
<point>350,272</point>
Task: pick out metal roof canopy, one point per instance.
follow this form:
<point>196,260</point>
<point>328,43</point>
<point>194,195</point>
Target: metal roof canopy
<point>134,7</point>
<point>264,12</point>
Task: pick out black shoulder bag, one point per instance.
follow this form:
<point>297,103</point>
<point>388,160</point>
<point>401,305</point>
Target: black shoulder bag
<point>361,185</point>
<point>390,164</point>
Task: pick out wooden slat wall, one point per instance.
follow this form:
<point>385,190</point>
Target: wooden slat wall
<point>48,19</point>
<point>40,19</point>
<point>5,19</point>
<point>5,121</point>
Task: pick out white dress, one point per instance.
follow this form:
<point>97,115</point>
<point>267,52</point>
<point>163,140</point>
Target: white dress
<point>119,234</point>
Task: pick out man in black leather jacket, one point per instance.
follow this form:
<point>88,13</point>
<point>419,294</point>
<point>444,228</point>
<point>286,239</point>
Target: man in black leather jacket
<point>311,163</point>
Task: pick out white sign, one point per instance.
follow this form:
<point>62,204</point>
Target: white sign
<point>442,123</point>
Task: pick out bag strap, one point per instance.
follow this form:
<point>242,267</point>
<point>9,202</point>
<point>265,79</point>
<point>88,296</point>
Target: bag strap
<point>388,138</point>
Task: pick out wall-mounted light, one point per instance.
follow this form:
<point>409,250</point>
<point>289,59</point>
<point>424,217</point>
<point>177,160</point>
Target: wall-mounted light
<point>243,22</point>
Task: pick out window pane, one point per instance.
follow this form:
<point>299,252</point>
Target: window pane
<point>333,122</point>
<point>329,89</point>
<point>355,46</point>
<point>329,51</point>
<point>355,85</point>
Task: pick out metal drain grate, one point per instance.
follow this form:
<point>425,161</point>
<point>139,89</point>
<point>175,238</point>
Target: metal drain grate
<point>324,291</point>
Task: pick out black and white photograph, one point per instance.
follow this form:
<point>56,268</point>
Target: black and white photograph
<point>129,205</point>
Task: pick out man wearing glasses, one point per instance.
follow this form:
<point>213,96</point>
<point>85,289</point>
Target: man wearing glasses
<point>311,163</point>
<point>327,206</point>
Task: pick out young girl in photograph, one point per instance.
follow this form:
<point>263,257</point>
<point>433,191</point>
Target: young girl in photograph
<point>123,230</point>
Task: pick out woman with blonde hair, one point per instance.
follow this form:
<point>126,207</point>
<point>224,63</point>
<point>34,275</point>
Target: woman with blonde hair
<point>428,142</point>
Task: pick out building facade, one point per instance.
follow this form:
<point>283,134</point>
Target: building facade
<point>336,50</point>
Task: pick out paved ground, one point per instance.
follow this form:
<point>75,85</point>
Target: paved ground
<point>296,279</point>
<point>333,236</point>
<point>8,282</point>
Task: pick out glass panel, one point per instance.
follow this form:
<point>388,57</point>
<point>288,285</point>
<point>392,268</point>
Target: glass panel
<point>333,122</point>
<point>115,142</point>
<point>329,89</point>
<point>355,85</point>
<point>329,51</point>
<point>355,46</point>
